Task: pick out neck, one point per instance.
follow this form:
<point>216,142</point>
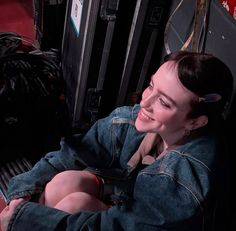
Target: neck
<point>172,141</point>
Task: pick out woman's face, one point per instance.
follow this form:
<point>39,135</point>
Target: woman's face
<point>165,103</point>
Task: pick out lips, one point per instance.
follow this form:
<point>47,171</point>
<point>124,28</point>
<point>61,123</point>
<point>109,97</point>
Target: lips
<point>143,116</point>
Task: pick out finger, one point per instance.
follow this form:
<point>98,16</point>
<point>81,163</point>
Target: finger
<point>16,202</point>
<point>6,208</point>
<point>134,160</point>
<point>5,218</point>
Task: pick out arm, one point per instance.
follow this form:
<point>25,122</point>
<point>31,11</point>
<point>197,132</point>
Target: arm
<point>33,181</point>
<point>75,153</point>
<point>101,147</point>
<point>169,207</point>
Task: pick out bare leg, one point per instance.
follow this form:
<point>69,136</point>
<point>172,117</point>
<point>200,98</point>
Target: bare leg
<point>79,201</point>
<point>66,183</point>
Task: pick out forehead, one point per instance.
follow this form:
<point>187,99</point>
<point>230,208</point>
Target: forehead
<point>167,81</point>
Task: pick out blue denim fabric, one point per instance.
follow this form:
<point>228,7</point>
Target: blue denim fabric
<point>176,192</point>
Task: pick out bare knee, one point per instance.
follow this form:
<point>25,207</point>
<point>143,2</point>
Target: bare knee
<point>74,181</point>
<point>68,182</point>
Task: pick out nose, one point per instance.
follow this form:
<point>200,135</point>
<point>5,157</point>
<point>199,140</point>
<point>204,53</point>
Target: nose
<point>147,99</point>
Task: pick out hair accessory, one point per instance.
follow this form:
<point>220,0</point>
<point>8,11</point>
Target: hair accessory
<point>210,98</point>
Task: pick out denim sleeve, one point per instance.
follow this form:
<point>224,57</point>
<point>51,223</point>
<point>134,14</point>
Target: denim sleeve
<point>76,152</point>
<point>167,206</point>
<point>98,148</point>
<point>34,180</point>
<point>114,139</point>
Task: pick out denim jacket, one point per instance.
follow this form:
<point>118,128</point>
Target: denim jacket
<point>176,192</point>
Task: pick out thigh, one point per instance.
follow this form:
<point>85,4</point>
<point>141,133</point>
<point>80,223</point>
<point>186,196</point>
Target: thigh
<point>79,201</point>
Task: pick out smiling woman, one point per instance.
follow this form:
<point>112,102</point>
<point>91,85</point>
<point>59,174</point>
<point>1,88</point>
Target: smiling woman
<point>170,144</point>
<point>166,103</point>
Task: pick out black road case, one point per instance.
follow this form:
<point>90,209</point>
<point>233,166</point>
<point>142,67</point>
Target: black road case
<point>109,49</point>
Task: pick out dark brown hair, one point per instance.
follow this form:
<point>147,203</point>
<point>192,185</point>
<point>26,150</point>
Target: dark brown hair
<point>206,76</point>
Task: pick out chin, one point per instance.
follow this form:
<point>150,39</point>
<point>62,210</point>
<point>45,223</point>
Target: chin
<point>137,125</point>
<point>146,127</point>
<point>139,130</point>
<point>140,127</point>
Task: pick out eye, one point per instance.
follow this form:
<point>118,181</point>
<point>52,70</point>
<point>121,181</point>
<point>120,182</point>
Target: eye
<point>163,103</point>
<point>150,86</point>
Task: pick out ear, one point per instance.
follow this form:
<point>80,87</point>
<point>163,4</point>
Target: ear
<point>198,122</point>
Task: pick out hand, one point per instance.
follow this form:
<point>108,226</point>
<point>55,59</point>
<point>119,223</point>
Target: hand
<point>148,142</point>
<point>8,211</point>
<point>135,159</point>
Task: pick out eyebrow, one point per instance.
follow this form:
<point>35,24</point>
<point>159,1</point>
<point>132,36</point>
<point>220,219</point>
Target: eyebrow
<point>164,94</point>
<point>168,97</point>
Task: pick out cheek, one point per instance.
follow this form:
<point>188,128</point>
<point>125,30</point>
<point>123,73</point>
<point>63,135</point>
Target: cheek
<point>167,117</point>
<point>163,116</point>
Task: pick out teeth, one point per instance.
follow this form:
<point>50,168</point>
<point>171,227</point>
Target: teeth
<point>144,115</point>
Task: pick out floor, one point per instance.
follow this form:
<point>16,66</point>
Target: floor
<point>17,16</point>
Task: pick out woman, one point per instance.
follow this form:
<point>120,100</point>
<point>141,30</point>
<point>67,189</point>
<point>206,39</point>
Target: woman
<point>162,157</point>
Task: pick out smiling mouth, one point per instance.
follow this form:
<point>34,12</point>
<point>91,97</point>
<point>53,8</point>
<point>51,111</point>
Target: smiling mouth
<point>144,116</point>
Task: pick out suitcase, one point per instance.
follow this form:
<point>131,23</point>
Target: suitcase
<point>49,16</point>
<point>94,43</point>
<point>143,50</point>
<point>108,48</point>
